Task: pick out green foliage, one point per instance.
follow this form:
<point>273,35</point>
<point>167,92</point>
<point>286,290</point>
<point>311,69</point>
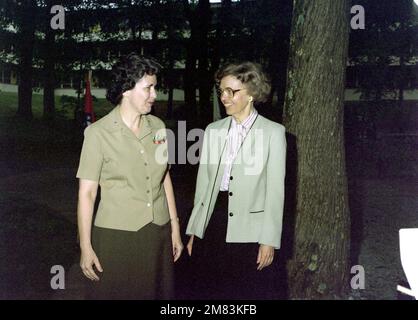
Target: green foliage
<point>97,33</point>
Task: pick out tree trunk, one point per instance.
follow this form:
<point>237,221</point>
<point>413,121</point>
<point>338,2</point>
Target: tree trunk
<point>402,69</point>
<point>313,115</point>
<point>26,44</point>
<point>189,81</point>
<point>170,106</point>
<point>49,75</point>
<point>170,84</point>
<point>189,76</point>
<point>203,22</point>
<point>170,75</point>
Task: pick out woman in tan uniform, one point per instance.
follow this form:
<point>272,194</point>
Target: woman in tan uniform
<point>130,251</point>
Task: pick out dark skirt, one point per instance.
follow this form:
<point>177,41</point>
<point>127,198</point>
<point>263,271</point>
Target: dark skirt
<point>224,270</point>
<point>136,265</point>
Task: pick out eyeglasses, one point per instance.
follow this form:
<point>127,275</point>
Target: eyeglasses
<point>230,93</point>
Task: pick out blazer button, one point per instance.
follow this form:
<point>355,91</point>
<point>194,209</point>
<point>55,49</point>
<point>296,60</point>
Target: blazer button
<point>231,178</point>
<point>230,193</point>
<point>231,214</point>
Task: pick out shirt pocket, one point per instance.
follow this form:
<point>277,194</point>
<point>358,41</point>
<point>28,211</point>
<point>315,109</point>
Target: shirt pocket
<point>113,170</point>
<point>108,162</point>
<point>256,211</point>
<point>114,183</point>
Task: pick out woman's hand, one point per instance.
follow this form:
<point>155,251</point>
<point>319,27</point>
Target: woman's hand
<point>265,256</point>
<point>190,245</point>
<point>177,245</point>
<point>176,239</point>
<point>87,261</point>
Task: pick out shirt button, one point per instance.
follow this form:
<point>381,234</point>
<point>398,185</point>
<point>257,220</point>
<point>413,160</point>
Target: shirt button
<point>231,178</point>
<point>145,164</point>
<point>148,204</point>
<point>147,178</point>
<point>231,214</point>
<point>230,193</point>
<point>147,191</point>
<point>142,151</point>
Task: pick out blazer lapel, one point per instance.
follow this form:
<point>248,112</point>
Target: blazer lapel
<point>215,142</point>
<point>224,137</point>
<point>217,145</point>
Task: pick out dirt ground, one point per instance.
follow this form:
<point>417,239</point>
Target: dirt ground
<point>387,205</point>
<point>38,222</point>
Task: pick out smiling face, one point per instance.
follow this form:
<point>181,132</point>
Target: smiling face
<point>239,104</point>
<point>143,95</point>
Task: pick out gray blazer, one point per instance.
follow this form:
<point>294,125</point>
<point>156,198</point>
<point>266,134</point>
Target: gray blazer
<point>256,190</point>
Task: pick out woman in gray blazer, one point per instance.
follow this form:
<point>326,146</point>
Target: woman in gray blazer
<point>236,222</point>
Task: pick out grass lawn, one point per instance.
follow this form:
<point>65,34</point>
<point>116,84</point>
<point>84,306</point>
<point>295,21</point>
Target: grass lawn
<point>8,106</point>
<point>62,129</point>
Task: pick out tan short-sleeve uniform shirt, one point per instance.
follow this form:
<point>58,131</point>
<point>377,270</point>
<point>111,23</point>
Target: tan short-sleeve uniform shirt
<point>130,171</point>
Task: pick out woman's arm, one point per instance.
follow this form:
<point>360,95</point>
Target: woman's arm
<point>175,223</point>
<point>274,198</point>
<point>202,182</point>
<point>86,197</point>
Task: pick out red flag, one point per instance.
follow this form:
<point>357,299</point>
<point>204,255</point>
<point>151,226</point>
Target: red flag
<point>89,117</point>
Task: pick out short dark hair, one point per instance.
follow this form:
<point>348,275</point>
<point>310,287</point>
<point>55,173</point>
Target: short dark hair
<point>127,72</point>
<point>251,75</point>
